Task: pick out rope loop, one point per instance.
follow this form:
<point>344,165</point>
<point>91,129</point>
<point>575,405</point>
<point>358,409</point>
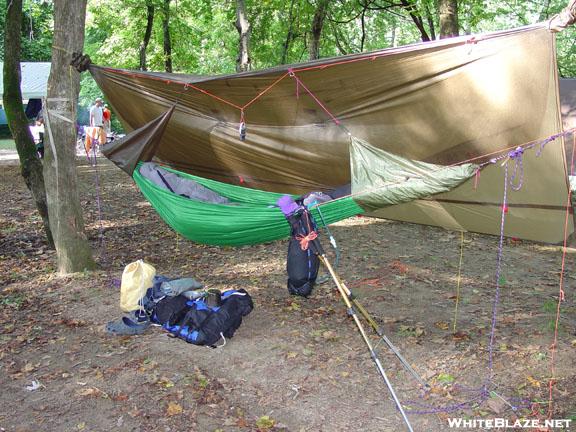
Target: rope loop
<point>516,156</point>
<point>306,239</point>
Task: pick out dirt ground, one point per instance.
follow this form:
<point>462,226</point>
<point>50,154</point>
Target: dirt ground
<point>295,364</point>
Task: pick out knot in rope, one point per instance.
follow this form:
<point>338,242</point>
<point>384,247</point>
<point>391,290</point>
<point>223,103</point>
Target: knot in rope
<point>516,156</point>
<point>306,239</point>
<point>81,62</point>
<point>546,141</point>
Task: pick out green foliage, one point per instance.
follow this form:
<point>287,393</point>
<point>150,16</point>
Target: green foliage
<point>37,28</point>
<point>205,41</point>
<point>203,36</point>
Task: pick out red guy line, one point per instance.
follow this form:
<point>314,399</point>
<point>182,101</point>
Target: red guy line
<point>560,293</point>
<point>298,81</point>
<point>265,90</point>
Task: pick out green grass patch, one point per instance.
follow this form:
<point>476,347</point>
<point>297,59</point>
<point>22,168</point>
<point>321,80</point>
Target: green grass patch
<point>7,144</point>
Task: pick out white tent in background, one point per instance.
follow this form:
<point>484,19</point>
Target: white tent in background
<point>34,79</point>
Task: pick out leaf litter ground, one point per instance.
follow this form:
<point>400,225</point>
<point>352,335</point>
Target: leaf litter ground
<point>295,364</point>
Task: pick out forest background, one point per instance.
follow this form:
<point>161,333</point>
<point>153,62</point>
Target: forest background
<point>202,36</point>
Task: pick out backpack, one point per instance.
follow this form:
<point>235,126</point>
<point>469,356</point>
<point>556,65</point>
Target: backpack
<point>199,323</point>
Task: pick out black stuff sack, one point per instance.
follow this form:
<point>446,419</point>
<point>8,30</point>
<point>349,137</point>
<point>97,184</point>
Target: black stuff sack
<point>199,323</point>
<point>302,262</point>
<point>302,268</point>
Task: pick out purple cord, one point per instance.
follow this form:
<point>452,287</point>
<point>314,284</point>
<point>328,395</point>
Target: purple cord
<point>497,293</point>
<point>483,392</point>
<point>516,156</point>
<point>101,246</point>
<point>517,152</point>
<point>478,400</point>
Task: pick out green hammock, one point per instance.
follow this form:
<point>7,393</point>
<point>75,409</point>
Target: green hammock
<point>378,179</point>
<point>251,218</point>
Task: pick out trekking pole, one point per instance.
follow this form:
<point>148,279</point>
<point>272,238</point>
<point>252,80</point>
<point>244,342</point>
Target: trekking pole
<point>380,333</point>
<point>352,313</point>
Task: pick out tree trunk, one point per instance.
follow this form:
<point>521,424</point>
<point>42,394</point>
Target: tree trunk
<point>430,20</point>
<point>448,14</point>
<point>317,25</point>
<point>167,41</point>
<point>545,11</point>
<point>147,34</point>
<point>72,248</point>
<point>244,29</point>
<point>416,18</point>
<point>30,165</point>
<point>363,25</point>
<point>289,36</point>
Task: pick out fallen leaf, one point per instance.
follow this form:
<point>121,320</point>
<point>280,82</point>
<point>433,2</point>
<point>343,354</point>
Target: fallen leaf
<point>460,336</point>
<point>90,391</point>
<point>445,378</point>
<point>307,352</point>
<point>329,335</point>
<point>165,382</point>
<point>533,382</point>
<point>265,423</point>
<point>28,367</point>
<point>174,409</point>
<point>497,405</point>
<point>442,325</point>
<point>242,423</point>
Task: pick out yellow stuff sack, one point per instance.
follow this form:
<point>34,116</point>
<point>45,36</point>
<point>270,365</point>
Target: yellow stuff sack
<point>136,279</point>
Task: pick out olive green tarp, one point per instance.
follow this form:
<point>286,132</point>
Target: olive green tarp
<point>381,179</point>
<point>443,102</point>
<point>253,217</point>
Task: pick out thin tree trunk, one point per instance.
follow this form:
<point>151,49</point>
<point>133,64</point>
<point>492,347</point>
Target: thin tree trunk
<point>363,22</point>
<point>73,250</point>
<point>448,14</point>
<point>545,12</point>
<point>30,165</point>
<point>289,36</point>
<point>317,25</point>
<point>147,34</point>
<point>244,29</point>
<point>413,11</point>
<point>167,41</point>
<point>341,49</point>
<point>430,20</point>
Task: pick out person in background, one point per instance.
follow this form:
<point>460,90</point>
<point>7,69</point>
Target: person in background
<point>97,114</point>
<point>107,117</point>
<point>37,130</point>
<point>95,134</point>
